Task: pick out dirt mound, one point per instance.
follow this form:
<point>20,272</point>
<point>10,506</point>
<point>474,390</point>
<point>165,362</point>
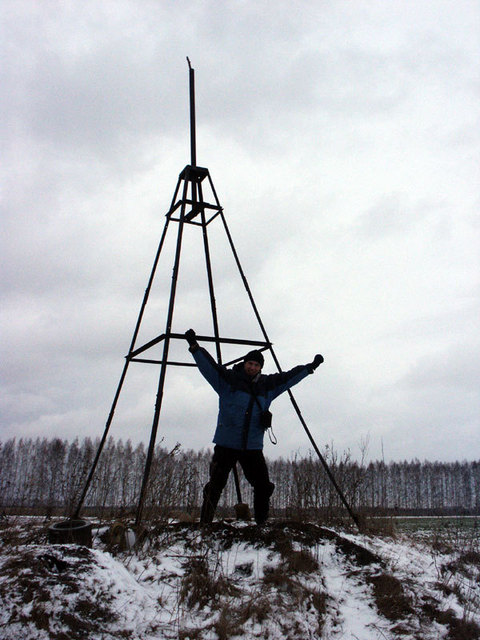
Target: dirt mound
<point>287,579</point>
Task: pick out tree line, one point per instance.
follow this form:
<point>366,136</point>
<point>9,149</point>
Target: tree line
<point>50,474</point>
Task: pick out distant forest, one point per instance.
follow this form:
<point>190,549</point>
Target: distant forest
<point>48,475</point>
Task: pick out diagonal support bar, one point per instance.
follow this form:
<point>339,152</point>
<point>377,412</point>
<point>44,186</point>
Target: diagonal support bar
<point>292,399</point>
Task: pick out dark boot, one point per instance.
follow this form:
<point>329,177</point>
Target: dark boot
<point>210,501</point>
<point>261,502</point>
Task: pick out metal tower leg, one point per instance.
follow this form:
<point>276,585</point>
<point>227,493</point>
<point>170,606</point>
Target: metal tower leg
<point>290,394</point>
<point>124,372</point>
<point>163,367</point>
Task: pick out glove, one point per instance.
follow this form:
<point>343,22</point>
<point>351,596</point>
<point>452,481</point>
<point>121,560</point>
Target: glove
<point>191,337</point>
<point>317,361</point>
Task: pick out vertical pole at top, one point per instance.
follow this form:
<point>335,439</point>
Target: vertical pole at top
<point>193,145</point>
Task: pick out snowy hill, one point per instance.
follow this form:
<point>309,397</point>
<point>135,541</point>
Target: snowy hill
<point>234,580</point>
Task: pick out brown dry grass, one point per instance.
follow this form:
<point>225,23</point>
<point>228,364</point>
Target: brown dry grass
<point>201,587</point>
<point>390,598</point>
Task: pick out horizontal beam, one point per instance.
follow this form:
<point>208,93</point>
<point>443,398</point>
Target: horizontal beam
<point>181,336</point>
<point>204,205</point>
<point>176,364</point>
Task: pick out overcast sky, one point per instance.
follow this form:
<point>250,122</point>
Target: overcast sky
<point>343,141</point>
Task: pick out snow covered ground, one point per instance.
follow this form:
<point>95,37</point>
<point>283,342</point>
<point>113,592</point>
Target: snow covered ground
<point>234,580</point>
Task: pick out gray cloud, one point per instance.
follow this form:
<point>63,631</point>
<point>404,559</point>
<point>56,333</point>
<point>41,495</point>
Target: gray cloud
<point>343,143</point>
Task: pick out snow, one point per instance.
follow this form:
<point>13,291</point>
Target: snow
<point>234,581</point>
<point>352,612</point>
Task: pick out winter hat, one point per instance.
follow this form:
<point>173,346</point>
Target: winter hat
<point>254,356</point>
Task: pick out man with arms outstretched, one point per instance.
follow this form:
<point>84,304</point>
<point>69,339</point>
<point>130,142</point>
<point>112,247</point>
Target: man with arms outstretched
<point>245,395</point>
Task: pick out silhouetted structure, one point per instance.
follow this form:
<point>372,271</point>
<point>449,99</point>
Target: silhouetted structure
<point>189,206</point>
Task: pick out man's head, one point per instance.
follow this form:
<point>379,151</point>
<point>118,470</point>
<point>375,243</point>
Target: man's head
<point>253,363</point>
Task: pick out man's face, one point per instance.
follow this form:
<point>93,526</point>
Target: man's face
<point>252,368</point>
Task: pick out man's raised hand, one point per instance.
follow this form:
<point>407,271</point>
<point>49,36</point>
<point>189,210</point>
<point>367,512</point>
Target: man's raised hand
<point>317,361</point>
<point>191,337</point>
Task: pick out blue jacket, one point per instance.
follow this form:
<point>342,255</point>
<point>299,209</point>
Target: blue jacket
<point>238,425</point>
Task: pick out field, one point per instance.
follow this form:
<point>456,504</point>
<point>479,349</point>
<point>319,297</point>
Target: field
<point>438,525</point>
<point>409,578</point>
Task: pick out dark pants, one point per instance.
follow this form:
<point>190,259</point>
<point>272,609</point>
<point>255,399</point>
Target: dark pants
<point>256,472</point>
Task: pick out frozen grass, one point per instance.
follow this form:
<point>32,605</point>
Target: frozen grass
<point>285,581</point>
